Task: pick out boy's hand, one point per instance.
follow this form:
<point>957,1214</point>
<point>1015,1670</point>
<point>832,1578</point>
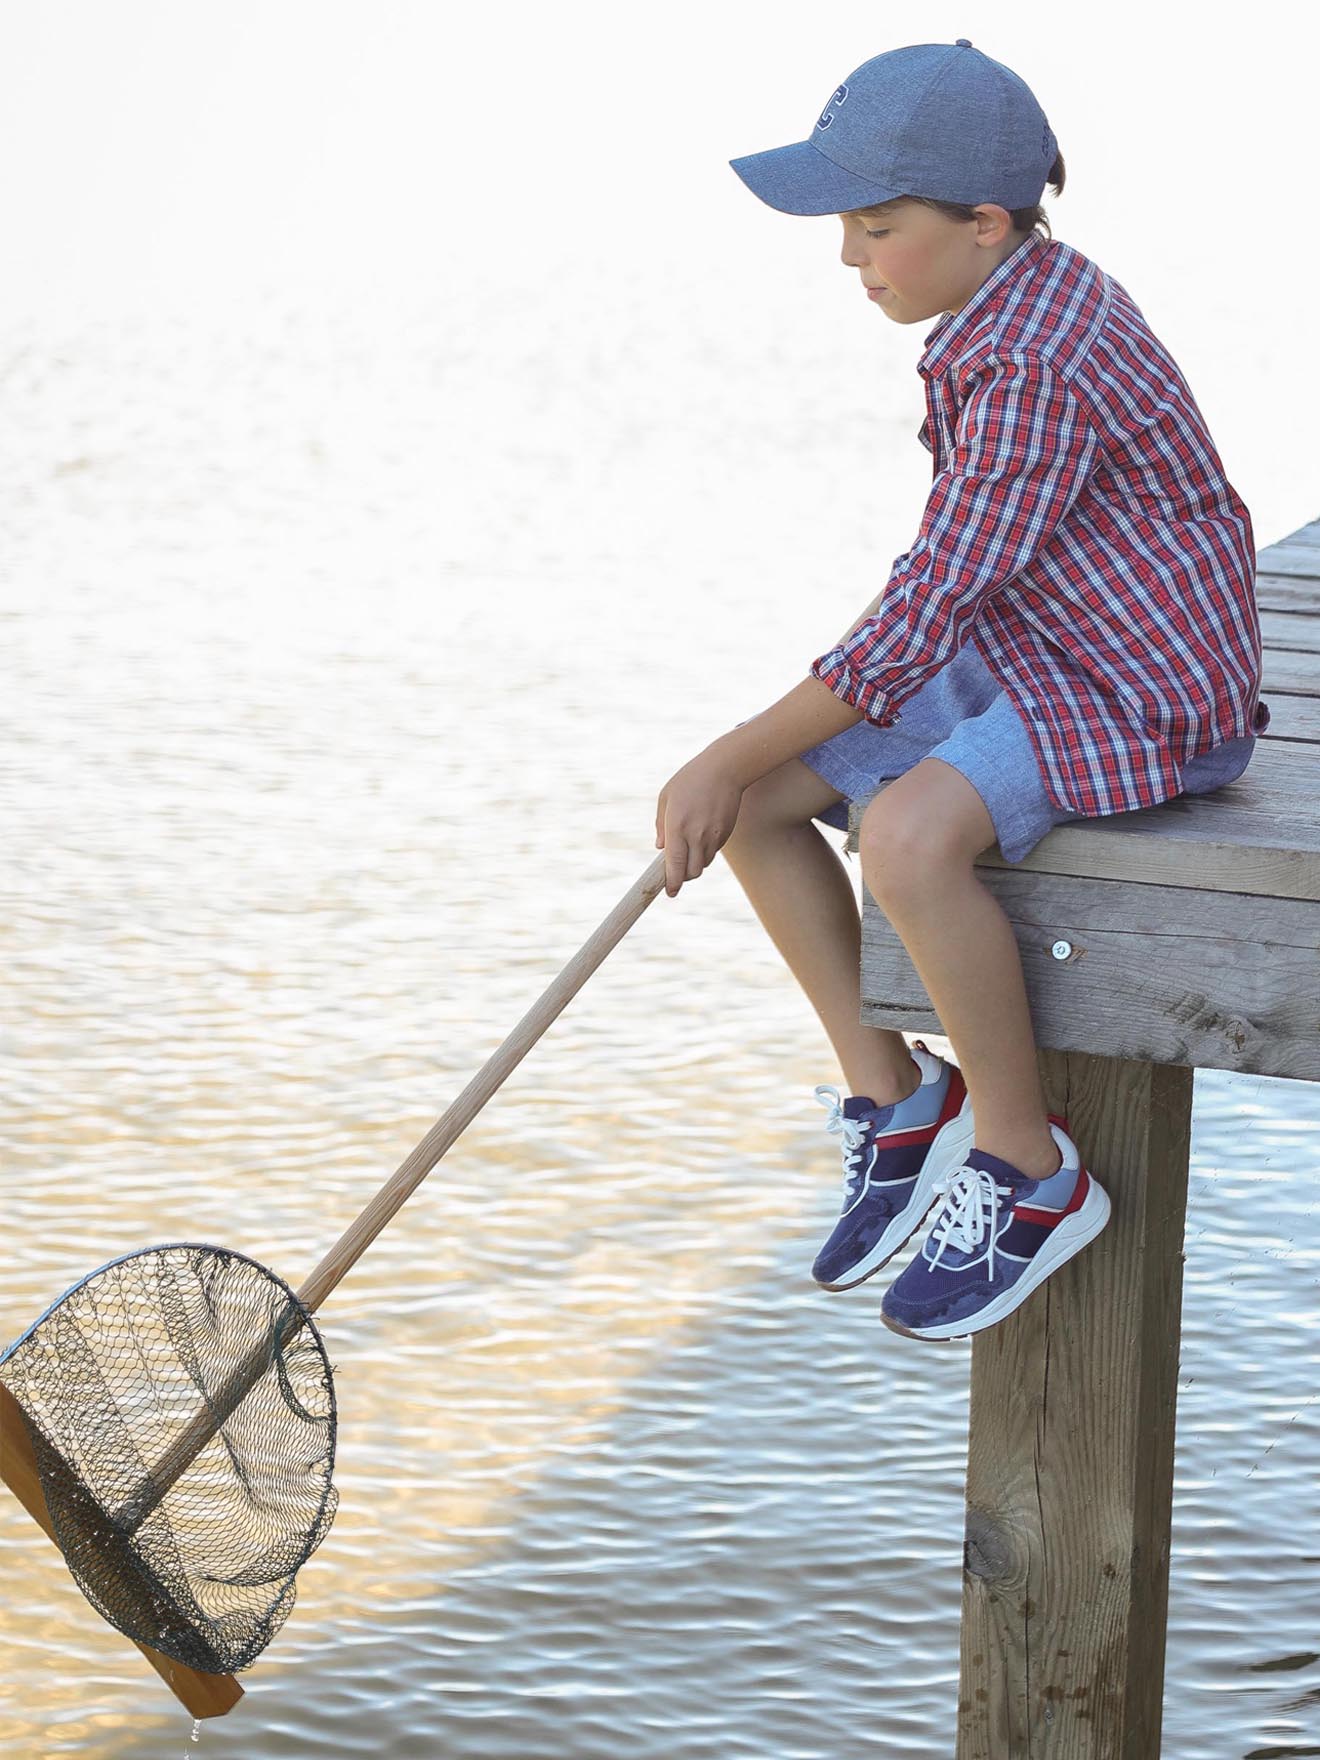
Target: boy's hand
<point>697,809</point>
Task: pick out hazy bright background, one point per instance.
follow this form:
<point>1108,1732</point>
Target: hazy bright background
<point>417,443</point>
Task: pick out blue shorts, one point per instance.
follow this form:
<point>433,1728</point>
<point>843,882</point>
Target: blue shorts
<point>964,716</point>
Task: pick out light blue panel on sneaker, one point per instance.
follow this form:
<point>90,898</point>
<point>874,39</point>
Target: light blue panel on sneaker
<point>921,1107</point>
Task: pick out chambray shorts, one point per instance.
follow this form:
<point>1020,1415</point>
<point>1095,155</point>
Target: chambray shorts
<point>963,715</point>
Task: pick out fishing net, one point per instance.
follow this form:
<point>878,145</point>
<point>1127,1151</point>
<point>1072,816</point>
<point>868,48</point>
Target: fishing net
<point>181,1410</point>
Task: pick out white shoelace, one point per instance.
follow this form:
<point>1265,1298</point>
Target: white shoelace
<point>853,1133</point>
<point>969,1214</point>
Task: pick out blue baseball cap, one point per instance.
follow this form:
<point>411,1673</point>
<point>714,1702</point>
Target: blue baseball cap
<point>934,119</point>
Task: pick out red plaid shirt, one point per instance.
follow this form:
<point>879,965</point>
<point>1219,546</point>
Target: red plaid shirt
<point>1081,523</point>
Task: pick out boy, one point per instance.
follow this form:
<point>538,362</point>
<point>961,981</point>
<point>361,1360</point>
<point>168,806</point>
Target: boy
<point>1072,634</point>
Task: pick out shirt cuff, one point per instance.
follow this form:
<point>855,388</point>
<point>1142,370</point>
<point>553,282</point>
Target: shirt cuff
<point>871,699</point>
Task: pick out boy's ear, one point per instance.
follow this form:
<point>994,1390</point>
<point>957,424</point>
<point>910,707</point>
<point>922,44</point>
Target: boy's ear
<point>991,211</point>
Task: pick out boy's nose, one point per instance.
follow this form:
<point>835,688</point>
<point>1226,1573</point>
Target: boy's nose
<point>850,255</point>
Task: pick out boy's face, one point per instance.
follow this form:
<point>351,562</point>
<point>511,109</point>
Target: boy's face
<point>922,263</point>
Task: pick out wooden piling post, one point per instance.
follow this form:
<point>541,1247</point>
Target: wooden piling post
<point>1070,1451</point>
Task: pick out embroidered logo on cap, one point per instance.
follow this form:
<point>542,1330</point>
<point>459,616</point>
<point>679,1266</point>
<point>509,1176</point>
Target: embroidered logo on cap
<point>827,114</point>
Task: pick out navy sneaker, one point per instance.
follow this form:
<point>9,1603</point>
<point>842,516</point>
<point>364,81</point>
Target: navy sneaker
<point>996,1237</point>
<point>895,1158</point>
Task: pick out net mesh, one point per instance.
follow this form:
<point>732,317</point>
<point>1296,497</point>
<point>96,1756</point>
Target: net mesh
<point>182,1414</point>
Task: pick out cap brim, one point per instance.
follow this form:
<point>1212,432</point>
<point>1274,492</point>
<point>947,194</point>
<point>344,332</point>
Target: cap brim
<point>800,179</point>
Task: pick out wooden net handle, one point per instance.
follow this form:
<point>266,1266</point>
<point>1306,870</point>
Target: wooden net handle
<point>355,1240</point>
<point>391,1197</point>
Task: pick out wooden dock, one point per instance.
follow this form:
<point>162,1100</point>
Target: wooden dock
<point>1154,943</point>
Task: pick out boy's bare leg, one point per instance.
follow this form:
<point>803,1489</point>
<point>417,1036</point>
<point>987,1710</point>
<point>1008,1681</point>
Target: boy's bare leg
<point>919,839</point>
<point>802,893</point>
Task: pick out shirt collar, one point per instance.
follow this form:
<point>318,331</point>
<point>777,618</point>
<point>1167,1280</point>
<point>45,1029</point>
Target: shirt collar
<point>954,327</point>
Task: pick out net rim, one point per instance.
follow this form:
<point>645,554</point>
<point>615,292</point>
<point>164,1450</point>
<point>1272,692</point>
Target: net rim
<point>168,1247</point>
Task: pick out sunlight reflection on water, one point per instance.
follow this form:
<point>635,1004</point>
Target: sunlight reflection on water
<point>342,691</point>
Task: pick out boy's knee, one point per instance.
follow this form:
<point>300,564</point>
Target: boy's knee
<point>902,843</point>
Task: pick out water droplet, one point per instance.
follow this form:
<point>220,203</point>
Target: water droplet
<point>196,1735</point>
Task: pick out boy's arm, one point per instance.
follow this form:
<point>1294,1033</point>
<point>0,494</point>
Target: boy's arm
<point>698,806</point>
<point>1024,452</point>
<point>804,717</point>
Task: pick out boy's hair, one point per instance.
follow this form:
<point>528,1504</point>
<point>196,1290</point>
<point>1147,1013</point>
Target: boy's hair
<point>1031,219</point>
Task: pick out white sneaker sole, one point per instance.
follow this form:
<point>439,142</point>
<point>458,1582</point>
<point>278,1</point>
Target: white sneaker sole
<point>946,1153</point>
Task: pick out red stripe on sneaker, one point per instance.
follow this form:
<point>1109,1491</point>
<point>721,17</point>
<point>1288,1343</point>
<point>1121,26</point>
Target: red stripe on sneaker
<point>955,1096</point>
<point>1049,1218</point>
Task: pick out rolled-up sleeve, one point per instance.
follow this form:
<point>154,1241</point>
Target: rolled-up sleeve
<point>1024,449</point>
